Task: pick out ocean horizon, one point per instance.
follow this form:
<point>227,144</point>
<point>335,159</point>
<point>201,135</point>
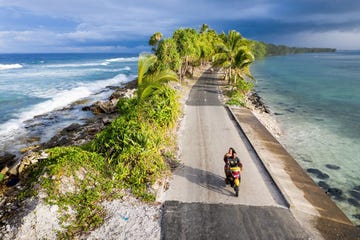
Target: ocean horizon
<point>315,98</point>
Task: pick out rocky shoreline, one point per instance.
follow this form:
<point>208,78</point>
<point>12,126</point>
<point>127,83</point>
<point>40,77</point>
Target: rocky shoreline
<point>104,112</point>
<point>263,113</point>
<point>12,211</point>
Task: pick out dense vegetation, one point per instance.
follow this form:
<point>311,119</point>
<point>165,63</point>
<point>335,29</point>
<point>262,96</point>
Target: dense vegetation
<point>130,152</point>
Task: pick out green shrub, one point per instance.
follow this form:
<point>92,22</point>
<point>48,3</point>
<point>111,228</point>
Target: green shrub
<point>128,107</point>
<point>244,86</point>
<point>236,98</point>
<point>162,108</point>
<point>122,135</point>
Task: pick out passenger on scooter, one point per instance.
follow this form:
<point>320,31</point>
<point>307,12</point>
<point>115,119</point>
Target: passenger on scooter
<point>228,154</point>
<point>231,160</point>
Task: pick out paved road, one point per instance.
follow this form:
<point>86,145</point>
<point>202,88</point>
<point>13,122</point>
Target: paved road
<point>198,204</point>
<point>220,221</point>
<point>207,133</point>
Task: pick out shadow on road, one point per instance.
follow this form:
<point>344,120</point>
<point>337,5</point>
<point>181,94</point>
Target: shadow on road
<point>205,179</point>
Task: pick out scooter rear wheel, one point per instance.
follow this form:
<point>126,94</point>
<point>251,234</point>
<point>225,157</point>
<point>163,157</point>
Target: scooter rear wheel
<point>236,188</point>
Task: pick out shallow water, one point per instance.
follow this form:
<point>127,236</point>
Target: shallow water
<point>316,100</point>
<point>34,85</point>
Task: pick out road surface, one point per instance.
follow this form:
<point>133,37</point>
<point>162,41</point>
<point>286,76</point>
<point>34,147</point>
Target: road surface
<point>198,204</point>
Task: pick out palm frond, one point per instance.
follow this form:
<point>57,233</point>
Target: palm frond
<point>144,63</point>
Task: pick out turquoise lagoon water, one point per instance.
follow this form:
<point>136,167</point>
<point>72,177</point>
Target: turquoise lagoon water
<point>315,98</point>
<point>33,85</point>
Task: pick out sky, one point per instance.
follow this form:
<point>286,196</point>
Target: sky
<point>39,26</point>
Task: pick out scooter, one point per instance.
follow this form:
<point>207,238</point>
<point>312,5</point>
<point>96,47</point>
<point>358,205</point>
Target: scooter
<point>234,178</point>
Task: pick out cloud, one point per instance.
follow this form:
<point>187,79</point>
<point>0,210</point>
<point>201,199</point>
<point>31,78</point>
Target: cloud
<point>112,24</point>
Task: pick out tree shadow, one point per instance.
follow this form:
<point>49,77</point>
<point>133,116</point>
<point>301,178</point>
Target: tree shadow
<point>204,179</point>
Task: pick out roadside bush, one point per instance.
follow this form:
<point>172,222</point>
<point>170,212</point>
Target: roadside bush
<point>128,107</point>
<point>122,135</point>
<point>161,108</point>
<point>244,86</point>
<point>236,98</point>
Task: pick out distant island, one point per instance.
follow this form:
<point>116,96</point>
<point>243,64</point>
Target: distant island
<point>262,49</point>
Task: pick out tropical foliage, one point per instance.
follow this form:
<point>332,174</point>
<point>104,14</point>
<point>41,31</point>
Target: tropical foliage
<point>188,48</point>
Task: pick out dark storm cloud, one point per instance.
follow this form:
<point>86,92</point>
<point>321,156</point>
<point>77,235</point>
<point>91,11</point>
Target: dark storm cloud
<point>42,25</point>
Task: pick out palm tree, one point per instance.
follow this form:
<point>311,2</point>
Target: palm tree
<point>155,40</point>
<point>149,82</point>
<point>204,28</point>
<point>227,50</point>
<point>233,55</point>
<point>187,43</point>
<point>241,66</point>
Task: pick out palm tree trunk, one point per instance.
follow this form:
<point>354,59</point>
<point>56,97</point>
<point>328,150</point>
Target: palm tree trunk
<point>180,73</point>
<point>229,80</point>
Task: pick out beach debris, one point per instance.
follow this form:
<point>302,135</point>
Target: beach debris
<point>124,217</point>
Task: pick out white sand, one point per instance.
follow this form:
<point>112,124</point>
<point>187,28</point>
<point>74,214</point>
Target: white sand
<point>129,219</point>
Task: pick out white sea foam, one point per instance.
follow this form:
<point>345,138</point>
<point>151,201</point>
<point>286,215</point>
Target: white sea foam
<point>10,66</point>
<point>130,59</point>
<point>58,101</point>
<point>74,65</point>
<point>127,68</point>
<point>92,64</point>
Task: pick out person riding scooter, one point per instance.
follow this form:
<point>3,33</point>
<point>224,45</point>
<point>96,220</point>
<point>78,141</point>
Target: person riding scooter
<point>231,160</point>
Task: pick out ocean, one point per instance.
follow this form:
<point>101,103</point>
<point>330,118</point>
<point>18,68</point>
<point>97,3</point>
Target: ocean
<point>38,91</point>
<point>315,98</point>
